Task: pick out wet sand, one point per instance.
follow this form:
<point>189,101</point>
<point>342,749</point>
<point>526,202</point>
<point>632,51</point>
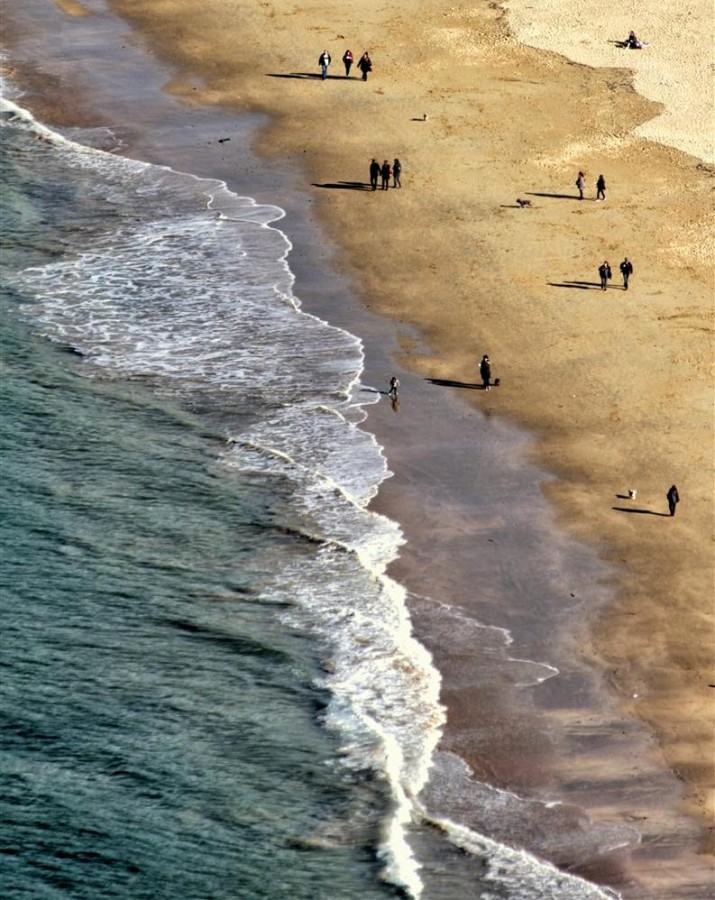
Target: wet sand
<point>617,388</point>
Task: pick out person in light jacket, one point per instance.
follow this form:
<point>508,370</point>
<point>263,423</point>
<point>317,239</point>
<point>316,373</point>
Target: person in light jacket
<point>324,61</point>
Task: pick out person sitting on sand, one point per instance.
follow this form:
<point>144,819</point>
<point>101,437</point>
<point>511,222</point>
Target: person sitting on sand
<point>632,42</point>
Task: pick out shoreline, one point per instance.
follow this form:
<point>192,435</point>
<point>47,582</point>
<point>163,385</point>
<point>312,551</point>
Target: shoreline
<point>415,355</point>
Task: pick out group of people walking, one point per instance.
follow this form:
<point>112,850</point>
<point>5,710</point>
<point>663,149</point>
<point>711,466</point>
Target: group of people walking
<point>378,173</point>
<point>364,63</point>
<point>605,274</point>
<point>383,172</point>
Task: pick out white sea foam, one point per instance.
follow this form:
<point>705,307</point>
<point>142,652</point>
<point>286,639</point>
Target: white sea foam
<point>524,876</point>
<point>187,284</point>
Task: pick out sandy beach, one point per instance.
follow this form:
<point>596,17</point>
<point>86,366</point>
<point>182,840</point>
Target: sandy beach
<point>615,387</point>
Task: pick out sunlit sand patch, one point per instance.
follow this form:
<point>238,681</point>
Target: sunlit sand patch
<point>695,244</point>
<point>73,8</point>
<point>576,152</point>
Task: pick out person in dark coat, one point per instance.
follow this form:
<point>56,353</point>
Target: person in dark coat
<point>385,173</point>
<point>600,188</point>
<point>396,172</point>
<point>604,270</point>
<point>365,65</point>
<point>348,62</point>
<point>485,370</point>
<point>626,268</point>
<point>374,173</point>
<point>673,498</point>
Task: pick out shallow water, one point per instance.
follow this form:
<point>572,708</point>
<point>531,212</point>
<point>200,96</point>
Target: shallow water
<point>212,686</point>
<point>165,703</point>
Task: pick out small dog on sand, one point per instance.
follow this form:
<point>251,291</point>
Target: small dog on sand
<point>522,203</point>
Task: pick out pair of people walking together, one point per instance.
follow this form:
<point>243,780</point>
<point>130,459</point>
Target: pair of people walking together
<point>600,186</point>
<point>604,272</point>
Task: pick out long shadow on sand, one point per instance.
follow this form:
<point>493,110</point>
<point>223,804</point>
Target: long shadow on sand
<point>446,382</point>
<point>555,196</point>
<point>344,185</point>
<point>578,285</point>
<point>642,512</point>
<point>311,75</point>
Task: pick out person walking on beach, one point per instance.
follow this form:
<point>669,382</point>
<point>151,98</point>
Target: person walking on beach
<point>485,371</point>
<point>626,268</point>
<point>394,386</point>
<point>581,184</point>
<point>385,175</point>
<point>324,61</point>
<point>374,173</point>
<point>673,497</point>
<point>365,65</point>
<point>604,271</point>
<point>348,62</point>
<point>396,172</point>
<point>600,188</point>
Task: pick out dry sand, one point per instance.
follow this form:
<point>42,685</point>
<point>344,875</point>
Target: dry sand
<point>618,386</point>
<point>676,68</point>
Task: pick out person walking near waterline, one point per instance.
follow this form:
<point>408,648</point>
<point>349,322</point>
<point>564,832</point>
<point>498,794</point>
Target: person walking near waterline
<point>485,372</point>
